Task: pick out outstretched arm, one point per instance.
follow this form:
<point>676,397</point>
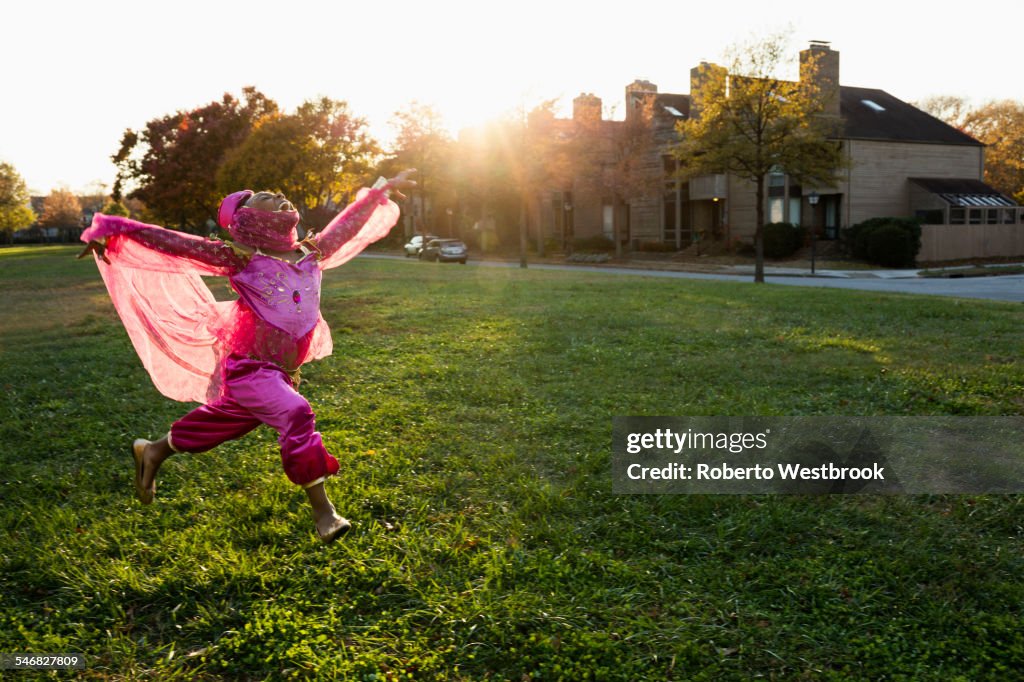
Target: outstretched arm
<point>185,251</point>
<point>369,218</point>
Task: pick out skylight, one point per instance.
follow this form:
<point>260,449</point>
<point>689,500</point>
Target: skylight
<point>673,111</point>
<point>870,104</point>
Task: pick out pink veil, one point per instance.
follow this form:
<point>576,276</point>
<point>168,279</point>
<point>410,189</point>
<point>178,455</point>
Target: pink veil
<point>385,214</point>
<point>168,312</point>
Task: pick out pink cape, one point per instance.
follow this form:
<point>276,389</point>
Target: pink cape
<point>179,330</point>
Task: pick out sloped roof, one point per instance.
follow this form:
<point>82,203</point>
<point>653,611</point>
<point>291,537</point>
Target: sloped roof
<point>871,114</point>
<point>963,191</point>
<point>670,104</point>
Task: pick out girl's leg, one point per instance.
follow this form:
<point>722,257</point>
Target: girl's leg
<point>198,431</point>
<point>268,395</point>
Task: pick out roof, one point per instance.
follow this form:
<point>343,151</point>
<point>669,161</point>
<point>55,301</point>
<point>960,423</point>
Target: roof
<point>870,114</point>
<point>963,191</point>
<point>677,106</point>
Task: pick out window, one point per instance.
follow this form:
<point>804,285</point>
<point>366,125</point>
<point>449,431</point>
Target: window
<point>974,216</point>
<point>1009,216</point>
<point>794,211</point>
<point>992,216</point>
<point>957,216</point>
<point>872,105</point>
<point>776,210</point>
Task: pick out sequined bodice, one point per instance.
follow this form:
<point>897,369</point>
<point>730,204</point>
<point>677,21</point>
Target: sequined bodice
<point>282,294</point>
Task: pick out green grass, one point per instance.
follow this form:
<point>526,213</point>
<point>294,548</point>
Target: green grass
<point>471,411</point>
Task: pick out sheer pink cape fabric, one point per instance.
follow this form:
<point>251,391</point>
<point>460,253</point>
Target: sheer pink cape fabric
<point>180,331</point>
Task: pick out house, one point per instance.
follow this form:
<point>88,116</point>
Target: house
<point>902,162</point>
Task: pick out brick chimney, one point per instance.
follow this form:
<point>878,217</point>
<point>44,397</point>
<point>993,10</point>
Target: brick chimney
<point>700,76</point>
<point>819,63</point>
<point>586,107</point>
<point>638,93</point>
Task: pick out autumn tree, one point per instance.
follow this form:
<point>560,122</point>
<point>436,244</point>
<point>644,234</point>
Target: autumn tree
<point>318,157</point>
<point>115,207</point>
<point>950,109</point>
<point>61,210</point>
<point>483,176</point>
<point>15,213</point>
<point>422,142</point>
<point>749,123</point>
<point>1000,125</point>
<point>171,165</point>
<point>503,166</point>
<point>613,158</point>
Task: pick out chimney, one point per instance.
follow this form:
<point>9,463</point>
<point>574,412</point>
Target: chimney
<point>819,64</point>
<point>701,77</point>
<point>638,93</point>
<point>586,107</point>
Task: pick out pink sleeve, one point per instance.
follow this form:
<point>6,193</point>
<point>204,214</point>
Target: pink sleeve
<point>369,218</point>
<point>169,250</point>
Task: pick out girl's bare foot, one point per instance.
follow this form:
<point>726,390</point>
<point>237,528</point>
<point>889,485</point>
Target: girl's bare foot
<point>329,526</point>
<point>148,457</point>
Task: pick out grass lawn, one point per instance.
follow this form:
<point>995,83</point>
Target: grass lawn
<point>471,411</point>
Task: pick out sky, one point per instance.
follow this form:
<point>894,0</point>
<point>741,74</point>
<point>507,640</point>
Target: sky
<point>78,74</point>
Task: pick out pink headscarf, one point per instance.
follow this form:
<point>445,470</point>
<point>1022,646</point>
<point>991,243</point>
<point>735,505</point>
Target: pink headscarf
<point>271,230</point>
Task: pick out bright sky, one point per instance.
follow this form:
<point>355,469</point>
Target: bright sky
<point>77,74</point>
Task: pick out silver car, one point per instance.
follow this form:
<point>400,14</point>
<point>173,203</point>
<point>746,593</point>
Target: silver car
<point>445,251</point>
<point>415,245</point>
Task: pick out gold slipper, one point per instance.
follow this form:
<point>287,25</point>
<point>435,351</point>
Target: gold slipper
<point>145,495</point>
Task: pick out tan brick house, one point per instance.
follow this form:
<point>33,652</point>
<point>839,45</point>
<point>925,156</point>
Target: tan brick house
<point>902,162</point>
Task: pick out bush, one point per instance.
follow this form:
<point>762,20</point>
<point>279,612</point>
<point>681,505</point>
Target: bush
<point>891,246</point>
<point>860,241</point>
<point>597,244</point>
<point>781,239</point>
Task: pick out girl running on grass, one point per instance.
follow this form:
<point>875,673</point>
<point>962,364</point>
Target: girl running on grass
<point>240,358</point>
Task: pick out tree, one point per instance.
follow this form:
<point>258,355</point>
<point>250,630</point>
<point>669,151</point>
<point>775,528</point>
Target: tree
<point>15,213</point>
<point>318,157</point>
<point>504,165</point>
<point>613,158</point>
<point>423,143</point>
<point>948,108</point>
<point>1000,125</point>
<point>61,210</point>
<point>114,207</point>
<point>750,123</point>
<point>172,164</point>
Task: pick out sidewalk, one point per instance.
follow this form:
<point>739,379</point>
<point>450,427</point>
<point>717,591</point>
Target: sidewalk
<point>711,268</point>
<point>818,272</point>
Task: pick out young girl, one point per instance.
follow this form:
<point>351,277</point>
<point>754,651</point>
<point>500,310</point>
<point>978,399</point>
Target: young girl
<point>240,358</point>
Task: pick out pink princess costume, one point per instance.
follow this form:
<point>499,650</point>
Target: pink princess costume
<point>238,357</point>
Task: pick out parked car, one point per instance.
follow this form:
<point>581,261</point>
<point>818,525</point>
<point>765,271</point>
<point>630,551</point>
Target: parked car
<point>445,251</point>
<point>415,244</point>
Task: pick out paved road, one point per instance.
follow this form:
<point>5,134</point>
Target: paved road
<point>1001,288</point>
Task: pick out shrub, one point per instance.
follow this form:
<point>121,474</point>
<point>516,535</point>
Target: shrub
<point>891,246</point>
<point>860,242</point>
<point>597,243</point>
<point>781,239</point>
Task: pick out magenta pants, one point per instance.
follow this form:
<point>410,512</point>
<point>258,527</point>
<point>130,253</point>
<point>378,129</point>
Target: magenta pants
<point>255,393</point>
